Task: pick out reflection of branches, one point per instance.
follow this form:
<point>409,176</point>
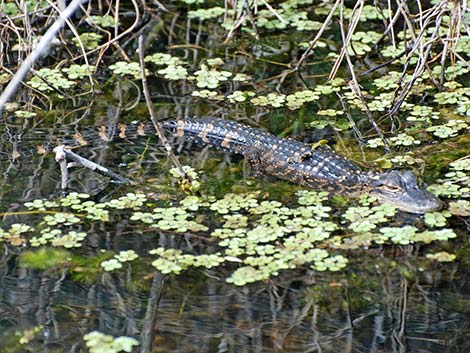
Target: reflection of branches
<point>149,322</point>
<point>181,315</point>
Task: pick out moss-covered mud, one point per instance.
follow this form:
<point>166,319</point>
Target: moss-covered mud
<point>223,262</point>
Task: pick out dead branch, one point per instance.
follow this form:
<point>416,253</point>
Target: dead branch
<point>153,117</point>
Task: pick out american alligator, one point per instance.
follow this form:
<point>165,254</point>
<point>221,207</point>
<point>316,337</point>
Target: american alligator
<point>297,162</point>
<point>283,158</point>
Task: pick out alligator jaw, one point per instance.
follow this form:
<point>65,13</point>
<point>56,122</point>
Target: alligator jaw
<point>401,190</point>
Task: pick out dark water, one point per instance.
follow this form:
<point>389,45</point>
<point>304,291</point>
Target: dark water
<point>376,311</point>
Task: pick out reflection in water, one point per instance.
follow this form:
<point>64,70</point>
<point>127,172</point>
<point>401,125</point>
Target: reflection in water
<point>381,312</point>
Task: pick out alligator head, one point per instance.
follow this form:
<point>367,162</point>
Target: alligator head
<point>400,189</point>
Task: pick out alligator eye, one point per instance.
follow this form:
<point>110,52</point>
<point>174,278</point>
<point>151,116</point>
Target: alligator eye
<point>392,188</point>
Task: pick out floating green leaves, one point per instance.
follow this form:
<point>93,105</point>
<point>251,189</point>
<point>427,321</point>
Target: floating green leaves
<point>239,96</point>
<point>460,208</point>
<point>14,235</point>
<point>402,139</point>
<point>117,262</point>
<point>274,100</point>
<point>111,265</point>
<point>436,219</point>
<point>98,342</point>
<point>409,234</point>
<point>211,95</point>
<point>188,178</point>
<point>123,68</point>
<point>47,79</point>
<point>333,263</point>
<point>61,218</point>
<point>210,77</point>
<point>442,256</point>
<point>456,182</point>
<point>298,99</point>
<point>247,274</point>
<point>451,128</point>
<point>234,202</point>
<point>103,21</point>
<point>173,66</point>
<point>130,200</point>
<point>363,219</point>
<point>206,14</point>
<point>78,71</point>
<point>89,40</point>
<point>174,261</point>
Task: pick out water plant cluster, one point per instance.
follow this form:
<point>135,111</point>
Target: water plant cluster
<point>98,342</point>
<point>266,236</point>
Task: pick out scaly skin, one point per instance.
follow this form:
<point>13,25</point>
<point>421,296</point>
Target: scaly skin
<point>298,163</point>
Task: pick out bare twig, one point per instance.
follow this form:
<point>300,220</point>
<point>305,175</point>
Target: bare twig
<point>356,15</point>
<point>61,156</point>
<point>357,132</point>
<point>153,118</point>
<point>386,63</point>
<point>354,83</point>
<point>424,49</point>
<point>317,37</point>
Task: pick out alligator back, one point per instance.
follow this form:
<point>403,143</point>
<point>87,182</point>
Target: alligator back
<point>284,158</point>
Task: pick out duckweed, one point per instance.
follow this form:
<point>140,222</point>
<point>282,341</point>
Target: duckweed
<point>333,263</point>
<point>451,128</point>
<point>89,40</point>
<point>123,68</point>
<point>442,256</point>
<point>210,78</point>
<point>78,71</point>
<point>436,219</point>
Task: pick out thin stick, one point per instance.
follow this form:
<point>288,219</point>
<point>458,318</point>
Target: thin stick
<point>153,118</point>
<point>38,51</point>
<point>61,156</point>
<point>354,83</point>
<point>317,37</point>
